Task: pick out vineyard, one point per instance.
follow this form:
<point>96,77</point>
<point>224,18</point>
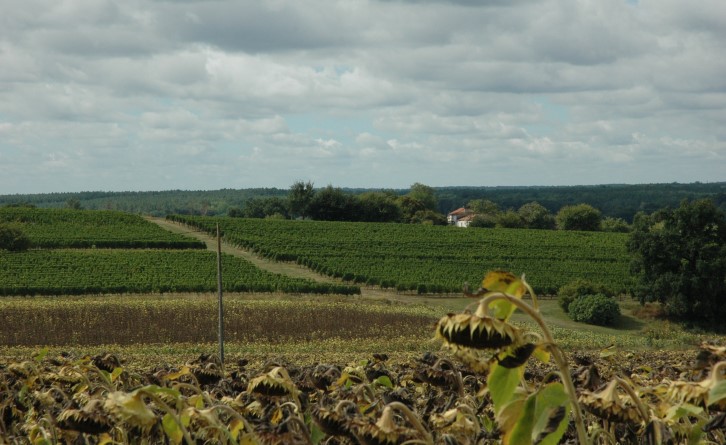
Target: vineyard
<point>429,259</point>
<point>75,272</point>
<point>114,252</point>
<point>65,228</point>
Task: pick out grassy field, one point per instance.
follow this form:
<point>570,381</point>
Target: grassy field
<point>303,328</point>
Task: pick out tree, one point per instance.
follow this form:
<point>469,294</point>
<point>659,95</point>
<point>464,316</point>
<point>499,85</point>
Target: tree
<point>378,207</point>
<point>409,207</point>
<point>509,220</point>
<point>610,224</point>
<point>680,260</point>
<point>13,238</point>
<point>579,217</point>
<point>425,194</point>
<point>299,198</point>
<point>483,207</point>
<point>331,204</point>
<point>265,207</point>
<point>536,216</point>
<point>429,217</point>
<point>74,203</point>
<point>483,221</point>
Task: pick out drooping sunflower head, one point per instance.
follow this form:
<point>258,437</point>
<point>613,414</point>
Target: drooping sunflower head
<point>477,332</point>
<point>130,409</point>
<point>337,421</point>
<point>385,431</point>
<point>610,405</point>
<point>275,383</point>
<point>91,419</point>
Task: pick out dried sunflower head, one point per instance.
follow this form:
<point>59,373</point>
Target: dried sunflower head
<point>275,383</point>
<point>130,409</point>
<point>478,332</point>
<point>384,432</point>
<point>207,369</point>
<point>699,393</point>
<point>338,421</point>
<point>608,404</point>
<point>106,362</point>
<point>91,419</point>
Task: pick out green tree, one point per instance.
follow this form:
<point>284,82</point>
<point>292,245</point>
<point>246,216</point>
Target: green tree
<point>680,260</point>
<point>579,217</point>
<point>332,204</point>
<point>265,207</point>
<point>379,207</point>
<point>409,207</point>
<point>74,203</point>
<point>300,196</point>
<point>483,221</point>
<point>610,224</point>
<point>483,207</point>
<point>425,194</point>
<point>429,217</point>
<point>509,220</point>
<point>13,238</point>
<point>536,216</point>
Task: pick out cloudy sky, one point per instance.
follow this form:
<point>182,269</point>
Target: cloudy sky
<point>156,95</point>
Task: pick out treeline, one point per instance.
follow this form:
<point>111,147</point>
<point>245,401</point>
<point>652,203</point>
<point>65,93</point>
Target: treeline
<point>616,200</point>
<point>533,215</point>
<point>303,201</point>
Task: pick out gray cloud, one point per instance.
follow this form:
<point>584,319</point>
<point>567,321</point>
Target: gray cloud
<point>158,95</point>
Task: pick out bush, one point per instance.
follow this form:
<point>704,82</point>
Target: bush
<point>13,238</point>
<point>484,221</point>
<point>595,309</point>
<point>578,217</point>
<point>569,292</point>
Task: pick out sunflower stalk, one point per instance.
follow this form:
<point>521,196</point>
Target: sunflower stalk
<point>411,417</point>
<point>557,354</point>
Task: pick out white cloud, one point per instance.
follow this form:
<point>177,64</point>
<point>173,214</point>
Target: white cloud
<point>160,94</point>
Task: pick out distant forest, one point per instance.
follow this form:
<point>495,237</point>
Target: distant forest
<point>615,200</point>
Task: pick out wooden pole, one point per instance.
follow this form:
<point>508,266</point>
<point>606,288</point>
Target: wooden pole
<point>219,292</point>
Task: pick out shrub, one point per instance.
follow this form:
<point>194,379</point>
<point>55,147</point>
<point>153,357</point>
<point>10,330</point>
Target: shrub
<point>570,291</point>
<point>485,221</point>
<point>595,309</point>
<point>13,238</point>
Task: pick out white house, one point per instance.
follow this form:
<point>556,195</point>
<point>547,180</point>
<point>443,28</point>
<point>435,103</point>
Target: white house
<point>460,217</point>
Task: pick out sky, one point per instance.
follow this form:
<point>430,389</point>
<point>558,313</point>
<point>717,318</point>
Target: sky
<point>201,95</point>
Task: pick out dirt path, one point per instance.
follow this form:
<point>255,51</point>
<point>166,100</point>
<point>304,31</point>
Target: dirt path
<point>284,268</point>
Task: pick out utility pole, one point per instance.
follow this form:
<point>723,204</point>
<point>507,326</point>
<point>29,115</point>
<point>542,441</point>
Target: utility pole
<point>219,292</point>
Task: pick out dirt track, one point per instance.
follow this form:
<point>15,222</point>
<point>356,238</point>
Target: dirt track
<point>289,269</point>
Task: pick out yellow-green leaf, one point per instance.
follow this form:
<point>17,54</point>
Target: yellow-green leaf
<point>551,414</point>
<point>41,355</point>
<point>316,434</point>
<point>182,372</point>
<point>235,426</point>
<point>542,354</point>
<point>717,393</point>
<point>248,439</point>
<point>384,380</point>
<point>607,352</point>
<point>521,431</point>
<point>116,373</point>
<point>501,383</point>
<point>683,410</point>
<point>171,428</point>
<point>507,283</point>
<point>543,419</point>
